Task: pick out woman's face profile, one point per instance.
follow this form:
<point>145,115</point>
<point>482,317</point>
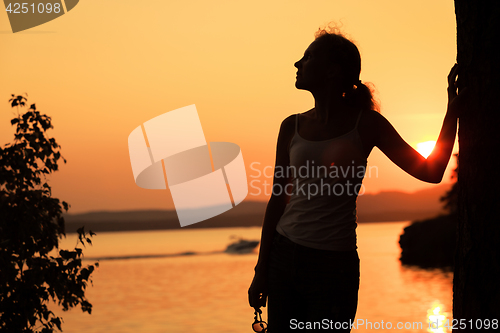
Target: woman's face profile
<point>313,69</point>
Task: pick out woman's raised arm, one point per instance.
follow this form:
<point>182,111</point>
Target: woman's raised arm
<point>430,169</point>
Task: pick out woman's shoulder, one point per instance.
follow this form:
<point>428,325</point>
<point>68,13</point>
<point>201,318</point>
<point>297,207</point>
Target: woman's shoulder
<point>287,127</point>
<point>289,119</point>
<point>372,114</point>
<point>372,126</point>
<point>293,118</point>
<point>372,118</point>
<point>289,124</point>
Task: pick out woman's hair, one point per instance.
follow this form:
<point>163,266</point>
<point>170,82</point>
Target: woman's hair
<point>344,53</point>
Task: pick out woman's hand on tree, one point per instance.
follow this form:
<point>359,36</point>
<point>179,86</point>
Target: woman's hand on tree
<point>457,94</point>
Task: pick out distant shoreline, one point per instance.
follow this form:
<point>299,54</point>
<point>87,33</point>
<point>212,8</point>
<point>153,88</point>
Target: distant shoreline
<point>382,207</point>
<point>221,221</point>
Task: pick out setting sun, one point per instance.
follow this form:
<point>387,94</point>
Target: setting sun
<point>425,148</point>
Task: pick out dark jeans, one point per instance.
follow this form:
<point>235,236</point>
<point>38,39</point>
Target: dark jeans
<point>311,290</point>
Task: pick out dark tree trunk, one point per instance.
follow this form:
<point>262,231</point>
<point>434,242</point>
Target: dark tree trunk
<point>476,286</point>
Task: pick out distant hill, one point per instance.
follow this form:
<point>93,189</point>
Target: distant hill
<point>380,207</point>
<point>401,206</point>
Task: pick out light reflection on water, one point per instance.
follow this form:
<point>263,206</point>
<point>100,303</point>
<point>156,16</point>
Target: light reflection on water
<point>208,292</point>
<point>438,322</point>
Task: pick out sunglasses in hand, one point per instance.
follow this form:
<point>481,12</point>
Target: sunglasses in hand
<point>259,325</point>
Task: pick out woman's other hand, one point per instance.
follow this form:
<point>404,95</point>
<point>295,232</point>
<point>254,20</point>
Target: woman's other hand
<point>257,293</point>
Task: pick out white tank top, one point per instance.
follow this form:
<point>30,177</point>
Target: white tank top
<point>326,178</point>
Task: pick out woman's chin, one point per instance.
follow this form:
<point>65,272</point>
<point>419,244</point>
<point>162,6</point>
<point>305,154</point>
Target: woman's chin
<point>300,84</point>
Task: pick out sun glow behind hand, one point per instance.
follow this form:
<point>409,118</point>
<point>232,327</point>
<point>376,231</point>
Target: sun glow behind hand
<point>425,148</point>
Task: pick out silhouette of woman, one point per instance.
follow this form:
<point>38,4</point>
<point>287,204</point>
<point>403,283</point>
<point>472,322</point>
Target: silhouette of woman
<point>308,266</point>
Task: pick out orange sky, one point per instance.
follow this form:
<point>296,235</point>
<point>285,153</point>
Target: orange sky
<point>107,66</point>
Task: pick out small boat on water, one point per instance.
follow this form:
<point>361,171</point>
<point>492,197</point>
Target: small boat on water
<point>242,246</point>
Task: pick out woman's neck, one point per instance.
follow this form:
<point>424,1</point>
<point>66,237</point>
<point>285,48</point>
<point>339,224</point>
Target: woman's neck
<point>328,106</point>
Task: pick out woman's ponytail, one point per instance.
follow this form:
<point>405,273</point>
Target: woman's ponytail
<point>361,97</point>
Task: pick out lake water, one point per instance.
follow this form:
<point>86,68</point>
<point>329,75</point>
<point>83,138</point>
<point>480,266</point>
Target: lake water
<point>207,292</point>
